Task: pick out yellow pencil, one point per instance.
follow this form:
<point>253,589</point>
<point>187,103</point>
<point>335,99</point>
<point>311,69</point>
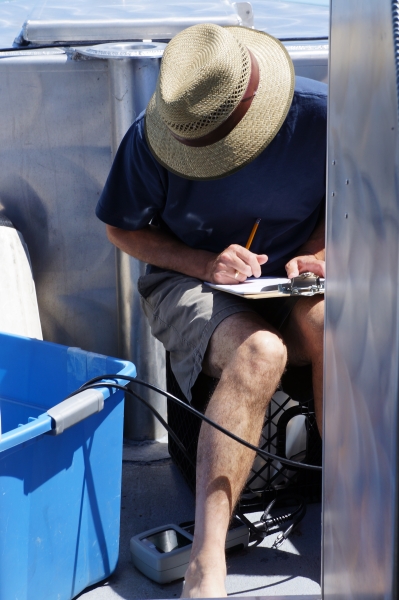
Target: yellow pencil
<point>250,240</point>
<point>252,234</point>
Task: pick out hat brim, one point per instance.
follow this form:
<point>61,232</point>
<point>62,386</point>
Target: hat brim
<point>253,133</point>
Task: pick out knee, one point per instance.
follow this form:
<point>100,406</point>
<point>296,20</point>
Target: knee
<point>263,352</point>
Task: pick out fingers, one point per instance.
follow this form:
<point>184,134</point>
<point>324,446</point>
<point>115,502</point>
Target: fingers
<point>319,268</point>
<point>302,264</point>
<point>236,264</point>
<point>292,269</point>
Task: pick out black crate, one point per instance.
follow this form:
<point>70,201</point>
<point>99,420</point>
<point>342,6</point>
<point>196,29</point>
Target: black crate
<point>291,407</point>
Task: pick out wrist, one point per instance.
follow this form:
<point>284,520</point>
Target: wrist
<point>200,264</point>
<point>206,273</point>
<point>318,254</point>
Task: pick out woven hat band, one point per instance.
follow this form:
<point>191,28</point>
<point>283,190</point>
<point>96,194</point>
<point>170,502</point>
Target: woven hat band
<point>233,119</point>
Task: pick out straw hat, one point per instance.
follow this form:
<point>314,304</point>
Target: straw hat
<point>222,95</point>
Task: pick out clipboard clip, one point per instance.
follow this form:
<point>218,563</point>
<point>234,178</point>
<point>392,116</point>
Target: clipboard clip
<point>306,284</point>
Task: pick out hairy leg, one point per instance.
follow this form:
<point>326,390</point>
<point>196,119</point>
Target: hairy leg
<point>304,335</point>
<point>249,357</point>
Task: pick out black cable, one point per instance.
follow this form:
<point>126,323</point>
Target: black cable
<point>297,517</point>
<point>170,431</point>
<point>280,519</point>
<point>322,38</point>
<point>152,409</point>
<point>254,533</point>
<point>267,524</point>
<point>95,382</point>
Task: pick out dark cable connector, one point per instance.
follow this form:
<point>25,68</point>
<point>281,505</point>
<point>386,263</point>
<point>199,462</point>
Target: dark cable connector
<point>267,524</point>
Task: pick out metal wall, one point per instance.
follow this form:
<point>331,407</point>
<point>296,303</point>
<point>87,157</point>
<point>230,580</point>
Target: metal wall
<point>362,353</point>
<point>55,155</point>
<point>61,127</point>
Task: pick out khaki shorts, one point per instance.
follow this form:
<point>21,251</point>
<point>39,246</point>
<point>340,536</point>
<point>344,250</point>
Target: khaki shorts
<point>183,313</point>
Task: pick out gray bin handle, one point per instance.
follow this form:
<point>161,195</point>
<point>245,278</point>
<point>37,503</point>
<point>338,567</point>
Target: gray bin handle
<point>75,409</point>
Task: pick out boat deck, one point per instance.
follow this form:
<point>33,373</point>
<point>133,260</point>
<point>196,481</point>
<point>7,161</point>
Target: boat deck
<point>154,493</point>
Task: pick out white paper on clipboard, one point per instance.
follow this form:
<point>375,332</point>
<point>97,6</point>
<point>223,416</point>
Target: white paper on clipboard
<point>253,286</point>
<point>306,284</point>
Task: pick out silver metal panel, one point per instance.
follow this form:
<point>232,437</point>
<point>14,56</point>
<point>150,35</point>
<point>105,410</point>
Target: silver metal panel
<point>362,355</point>
<point>62,121</point>
<point>94,20</point>
<point>55,155</point>
<point>132,83</point>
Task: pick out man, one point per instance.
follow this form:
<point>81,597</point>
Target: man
<point>227,138</point>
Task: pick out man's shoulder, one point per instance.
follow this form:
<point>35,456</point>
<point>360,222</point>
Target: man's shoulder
<point>137,128</point>
<point>309,106</point>
<point>139,120</point>
<point>135,145</point>
<point>310,87</point>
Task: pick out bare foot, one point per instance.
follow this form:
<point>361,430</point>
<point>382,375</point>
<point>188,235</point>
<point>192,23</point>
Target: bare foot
<point>205,581</point>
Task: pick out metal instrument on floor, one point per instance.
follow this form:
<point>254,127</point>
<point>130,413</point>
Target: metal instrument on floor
<point>163,553</point>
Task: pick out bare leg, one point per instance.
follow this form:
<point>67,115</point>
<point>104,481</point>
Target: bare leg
<point>249,357</point>
<point>304,336</point>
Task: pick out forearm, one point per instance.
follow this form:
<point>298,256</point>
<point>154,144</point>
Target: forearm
<point>156,247</point>
<point>315,245</point>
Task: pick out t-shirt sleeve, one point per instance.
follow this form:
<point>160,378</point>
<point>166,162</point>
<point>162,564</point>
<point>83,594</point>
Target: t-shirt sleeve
<point>134,192</point>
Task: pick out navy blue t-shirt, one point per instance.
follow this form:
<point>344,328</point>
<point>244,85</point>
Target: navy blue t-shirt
<point>284,186</point>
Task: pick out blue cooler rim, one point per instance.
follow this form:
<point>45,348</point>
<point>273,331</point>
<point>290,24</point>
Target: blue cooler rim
<point>44,423</point>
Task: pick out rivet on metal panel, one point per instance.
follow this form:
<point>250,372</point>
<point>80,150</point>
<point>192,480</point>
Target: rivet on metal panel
<point>347,181</point>
<point>346,215</point>
<point>333,194</point>
<point>333,162</point>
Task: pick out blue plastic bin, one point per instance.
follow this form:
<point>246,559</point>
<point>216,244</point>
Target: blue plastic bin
<point>60,494</point>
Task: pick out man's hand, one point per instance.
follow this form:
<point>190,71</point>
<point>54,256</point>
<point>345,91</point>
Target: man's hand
<point>302,264</point>
<point>312,255</point>
<point>234,265</point>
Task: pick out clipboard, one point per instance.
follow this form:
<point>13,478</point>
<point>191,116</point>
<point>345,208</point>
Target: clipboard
<point>306,284</point>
